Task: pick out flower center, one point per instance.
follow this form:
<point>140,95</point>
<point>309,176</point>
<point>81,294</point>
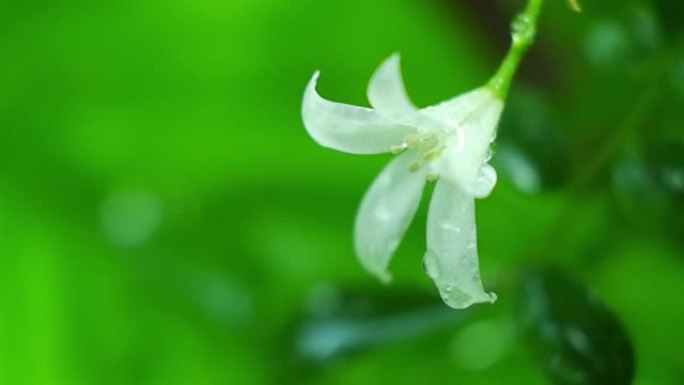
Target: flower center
<point>429,144</point>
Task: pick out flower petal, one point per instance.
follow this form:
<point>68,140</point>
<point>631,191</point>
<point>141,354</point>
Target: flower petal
<point>474,117</point>
<point>451,259</point>
<point>386,91</point>
<point>348,128</point>
<point>386,212</point>
<point>459,107</point>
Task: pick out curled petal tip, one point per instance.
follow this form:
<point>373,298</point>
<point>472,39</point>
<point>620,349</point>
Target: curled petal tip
<point>348,128</point>
<point>310,90</point>
<point>387,94</point>
<point>314,78</point>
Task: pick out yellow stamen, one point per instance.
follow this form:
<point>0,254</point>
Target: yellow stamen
<point>414,166</point>
<point>429,144</point>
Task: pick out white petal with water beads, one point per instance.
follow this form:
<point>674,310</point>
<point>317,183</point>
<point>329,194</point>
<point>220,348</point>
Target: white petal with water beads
<point>451,259</point>
<point>385,213</point>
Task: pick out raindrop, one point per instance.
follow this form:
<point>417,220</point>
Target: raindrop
<point>488,155</point>
<point>486,180</point>
<point>430,265</point>
<point>522,27</point>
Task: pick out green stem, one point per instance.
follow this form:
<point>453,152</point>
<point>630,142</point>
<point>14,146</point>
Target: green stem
<point>523,30</point>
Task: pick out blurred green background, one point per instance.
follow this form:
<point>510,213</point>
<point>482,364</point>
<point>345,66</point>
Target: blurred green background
<point>165,219</point>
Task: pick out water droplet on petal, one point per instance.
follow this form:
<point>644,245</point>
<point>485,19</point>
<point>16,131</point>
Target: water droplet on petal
<point>485,182</point>
<point>488,155</point>
<point>431,265</point>
<point>455,298</point>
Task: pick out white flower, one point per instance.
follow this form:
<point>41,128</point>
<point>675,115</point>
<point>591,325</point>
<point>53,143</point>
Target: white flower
<point>449,141</point>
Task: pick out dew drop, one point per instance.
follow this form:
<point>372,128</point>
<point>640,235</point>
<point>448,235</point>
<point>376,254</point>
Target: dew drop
<point>488,155</point>
<point>430,265</point>
<point>486,180</point>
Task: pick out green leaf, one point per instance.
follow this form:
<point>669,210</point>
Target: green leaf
<point>649,189</point>
<point>531,151</point>
<point>575,338</point>
<point>338,322</point>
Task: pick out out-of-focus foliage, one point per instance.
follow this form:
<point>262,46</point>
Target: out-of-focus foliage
<point>166,220</point>
<point>575,338</point>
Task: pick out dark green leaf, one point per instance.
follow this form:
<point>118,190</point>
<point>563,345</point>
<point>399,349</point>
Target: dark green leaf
<point>530,151</point>
<point>336,323</point>
<point>575,338</point>
<point>650,188</point>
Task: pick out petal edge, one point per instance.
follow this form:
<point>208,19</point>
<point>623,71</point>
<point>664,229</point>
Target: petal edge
<point>386,212</point>
<point>386,90</point>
